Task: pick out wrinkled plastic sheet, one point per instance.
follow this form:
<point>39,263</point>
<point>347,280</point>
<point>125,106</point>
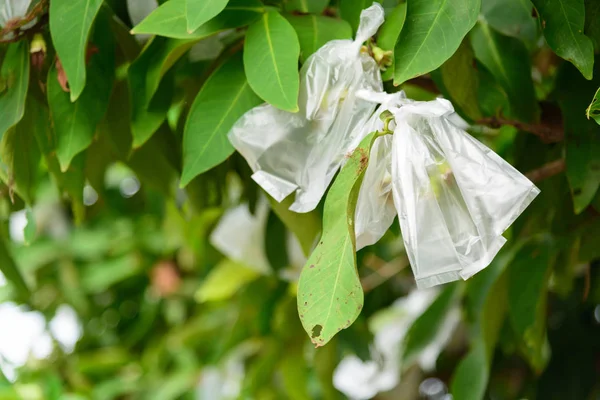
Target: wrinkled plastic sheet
<point>301,152</point>
<point>454,196</point>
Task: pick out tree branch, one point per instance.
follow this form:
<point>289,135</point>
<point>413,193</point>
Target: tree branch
<point>547,170</point>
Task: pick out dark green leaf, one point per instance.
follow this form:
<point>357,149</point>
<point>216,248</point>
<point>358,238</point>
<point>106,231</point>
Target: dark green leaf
<point>330,296</point>
<point>471,376</point>
<point>350,11</point>
<point>593,110</point>
<point>306,6</point>
<point>223,99</point>
<point>10,270</point>
<point>21,155</point>
<point>562,23</point>
<point>528,276</point>
<point>315,30</point>
<point>426,327</point>
<point>305,226</point>
<point>389,33</point>
<point>151,85</point>
<point>199,12</point>
<point>508,61</point>
<point>431,34</point>
<point>511,18</point>
<point>14,80</point>
<point>170,19</point>
<point>271,52</point>
<point>75,123</point>
<point>70,25</point>
<point>461,81</point>
<point>583,146</point>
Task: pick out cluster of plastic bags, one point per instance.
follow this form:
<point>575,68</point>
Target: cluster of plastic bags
<point>454,197</point>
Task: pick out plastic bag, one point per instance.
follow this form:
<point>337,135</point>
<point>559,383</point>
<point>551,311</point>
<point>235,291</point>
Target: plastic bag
<point>454,196</point>
<point>302,151</point>
<point>375,209</point>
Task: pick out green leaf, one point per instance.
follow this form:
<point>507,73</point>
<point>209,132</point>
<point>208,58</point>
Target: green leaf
<point>583,147</point>
<point>315,30</point>
<point>224,280</point>
<point>306,6</point>
<point>75,123</point>
<point>528,276</point>
<point>431,34</point>
<point>199,12</point>
<point>223,99</point>
<point>350,11</point>
<point>271,53</point>
<point>10,270</point>
<point>30,230</point>
<point>170,19</point>
<point>562,23</point>
<point>306,226</point>
<point>460,79</point>
<point>330,296</point>
<point>152,84</point>
<point>425,328</point>
<point>100,276</point>
<point>511,18</point>
<point>14,80</point>
<point>389,33</point>
<point>593,109</point>
<point>508,61</point>
<point>471,376</point>
<point>70,25</point>
<point>21,155</point>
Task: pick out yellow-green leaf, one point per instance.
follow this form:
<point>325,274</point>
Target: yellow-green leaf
<point>200,11</point>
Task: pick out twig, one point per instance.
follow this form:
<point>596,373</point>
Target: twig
<point>547,170</point>
<point>382,271</point>
<point>548,133</point>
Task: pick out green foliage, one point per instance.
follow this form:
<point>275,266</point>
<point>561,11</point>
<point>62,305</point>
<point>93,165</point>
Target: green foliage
<point>115,167</point>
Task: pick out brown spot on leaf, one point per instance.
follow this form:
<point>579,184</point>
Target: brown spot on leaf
<point>312,266</point>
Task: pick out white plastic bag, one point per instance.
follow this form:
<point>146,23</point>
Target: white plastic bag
<point>375,210</point>
<point>302,151</point>
<point>454,196</point>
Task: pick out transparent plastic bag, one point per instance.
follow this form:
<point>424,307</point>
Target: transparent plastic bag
<point>375,209</point>
<point>302,151</point>
<point>454,196</point>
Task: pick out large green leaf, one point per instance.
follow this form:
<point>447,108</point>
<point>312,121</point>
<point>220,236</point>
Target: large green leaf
<point>271,53</point>
<point>315,30</point>
<point>199,12</point>
<point>511,18</point>
<point>75,123</point>
<point>306,6</point>
<point>460,79</point>
<point>10,270</point>
<point>581,134</point>
<point>224,280</point>
<point>562,23</point>
<point>14,81</point>
<point>20,153</point>
<point>528,276</point>
<point>593,110</point>
<point>431,34</point>
<point>425,328</point>
<point>508,61</point>
<point>70,25</point>
<point>389,33</point>
<point>151,85</point>
<point>330,296</point>
<point>170,19</point>
<point>223,99</point>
